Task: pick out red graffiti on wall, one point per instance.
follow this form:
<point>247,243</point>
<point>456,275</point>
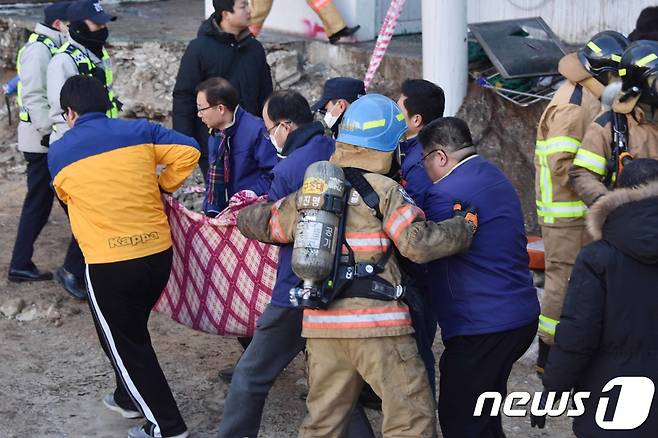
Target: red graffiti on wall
<point>311,29</point>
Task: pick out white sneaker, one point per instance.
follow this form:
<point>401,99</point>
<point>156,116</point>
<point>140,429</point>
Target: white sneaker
<point>142,432</point>
<point>109,403</point>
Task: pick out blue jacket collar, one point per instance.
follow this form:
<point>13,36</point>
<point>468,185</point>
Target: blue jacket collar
<point>228,132</point>
<point>89,116</point>
<point>301,136</point>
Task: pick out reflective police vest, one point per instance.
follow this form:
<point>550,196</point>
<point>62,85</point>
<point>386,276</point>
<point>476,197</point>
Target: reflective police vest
<point>87,67</point>
<point>23,115</point>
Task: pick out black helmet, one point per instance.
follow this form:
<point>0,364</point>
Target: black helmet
<point>603,52</point>
<point>638,71</point>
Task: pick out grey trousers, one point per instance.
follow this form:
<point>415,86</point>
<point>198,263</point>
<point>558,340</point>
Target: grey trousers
<point>275,344</point>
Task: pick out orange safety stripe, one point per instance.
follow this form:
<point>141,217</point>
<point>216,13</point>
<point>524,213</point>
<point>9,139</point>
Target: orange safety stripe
<point>319,4</point>
<point>355,325</point>
<point>356,318</point>
<point>275,225</point>
<point>368,242</point>
<point>401,219</point>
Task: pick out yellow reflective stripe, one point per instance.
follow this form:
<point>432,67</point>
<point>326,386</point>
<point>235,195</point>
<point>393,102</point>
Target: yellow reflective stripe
<point>81,59</point>
<point>594,47</point>
<point>554,145</point>
<point>545,183</point>
<point>615,58</point>
<point>400,117</point>
<point>374,124</point>
<point>622,72</point>
<point>591,161</point>
<point>647,59</point>
<point>548,325</point>
<point>23,115</point>
<point>561,209</point>
<point>546,208</point>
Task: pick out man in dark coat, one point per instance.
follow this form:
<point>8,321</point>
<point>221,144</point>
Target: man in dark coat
<point>223,47</point>
<point>608,327</point>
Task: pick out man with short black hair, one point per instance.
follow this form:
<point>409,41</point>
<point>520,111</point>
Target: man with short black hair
<point>421,102</point>
<point>484,299</point>
<point>104,169</point>
<point>277,341</point>
<point>223,47</point>
<point>337,95</point>
<point>240,157</point>
<point>34,129</point>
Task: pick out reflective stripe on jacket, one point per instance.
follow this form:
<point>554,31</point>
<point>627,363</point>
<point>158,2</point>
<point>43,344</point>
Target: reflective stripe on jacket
<point>32,65</point>
<point>590,165</point>
<point>560,131</point>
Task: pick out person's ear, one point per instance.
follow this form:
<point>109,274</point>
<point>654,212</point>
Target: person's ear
<point>417,120</point>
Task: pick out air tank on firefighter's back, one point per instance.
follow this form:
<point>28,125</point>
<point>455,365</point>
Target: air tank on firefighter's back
<point>320,202</point>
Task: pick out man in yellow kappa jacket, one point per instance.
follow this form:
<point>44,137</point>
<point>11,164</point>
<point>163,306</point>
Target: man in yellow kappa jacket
<point>360,338</point>
<point>561,128</point>
<point>599,162</point>
<point>104,169</point>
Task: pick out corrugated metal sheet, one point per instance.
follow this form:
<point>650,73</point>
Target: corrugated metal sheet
<point>574,21</point>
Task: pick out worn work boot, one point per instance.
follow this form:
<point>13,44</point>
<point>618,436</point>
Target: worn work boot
<point>146,431</point>
<point>109,403</point>
<point>344,35</point>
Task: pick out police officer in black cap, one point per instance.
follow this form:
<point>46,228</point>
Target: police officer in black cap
<point>337,95</point>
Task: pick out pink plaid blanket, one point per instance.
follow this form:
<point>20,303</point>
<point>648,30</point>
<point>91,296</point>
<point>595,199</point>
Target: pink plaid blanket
<point>220,281</point>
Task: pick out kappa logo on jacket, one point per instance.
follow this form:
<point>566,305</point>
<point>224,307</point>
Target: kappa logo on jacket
<point>116,242</point>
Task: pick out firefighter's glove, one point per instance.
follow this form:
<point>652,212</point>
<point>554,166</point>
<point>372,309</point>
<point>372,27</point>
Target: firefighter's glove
<point>45,141</point>
<point>539,421</point>
<point>468,212</point>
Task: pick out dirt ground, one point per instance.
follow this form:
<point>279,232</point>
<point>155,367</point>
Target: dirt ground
<point>53,372</point>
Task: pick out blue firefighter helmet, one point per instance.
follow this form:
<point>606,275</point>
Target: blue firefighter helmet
<point>374,122</point>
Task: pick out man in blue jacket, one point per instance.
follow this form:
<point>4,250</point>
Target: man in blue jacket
<point>300,142</point>
<point>484,299</point>
<point>421,102</point>
<point>240,156</point>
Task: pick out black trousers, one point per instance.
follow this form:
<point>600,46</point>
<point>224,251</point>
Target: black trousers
<point>121,296</point>
<point>34,215</point>
<point>471,365</point>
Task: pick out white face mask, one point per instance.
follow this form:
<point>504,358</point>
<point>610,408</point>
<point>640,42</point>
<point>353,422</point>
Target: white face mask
<point>329,119</point>
<point>279,148</point>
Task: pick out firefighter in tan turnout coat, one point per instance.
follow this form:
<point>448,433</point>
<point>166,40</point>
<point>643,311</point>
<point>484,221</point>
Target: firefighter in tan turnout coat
<point>595,170</point>
<point>358,338</point>
<point>559,134</point>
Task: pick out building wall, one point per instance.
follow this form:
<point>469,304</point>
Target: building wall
<point>574,21</point>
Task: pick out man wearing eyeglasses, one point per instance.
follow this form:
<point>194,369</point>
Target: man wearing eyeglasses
<point>224,47</point>
<point>240,156</point>
<point>484,299</point>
